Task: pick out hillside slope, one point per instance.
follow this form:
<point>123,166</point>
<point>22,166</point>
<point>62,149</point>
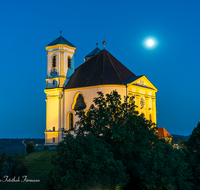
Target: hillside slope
<point>12,146</point>
<point>38,164</point>
<point>178,137</point>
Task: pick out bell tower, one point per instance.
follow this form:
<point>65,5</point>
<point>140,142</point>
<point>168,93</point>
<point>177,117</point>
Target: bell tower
<point>60,62</point>
<point>60,66</point>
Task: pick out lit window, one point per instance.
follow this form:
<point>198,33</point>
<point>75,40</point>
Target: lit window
<point>54,61</point>
<point>69,63</point>
<point>71,121</point>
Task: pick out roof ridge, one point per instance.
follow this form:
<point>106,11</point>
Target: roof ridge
<point>94,71</point>
<point>114,68</point>
<point>103,64</point>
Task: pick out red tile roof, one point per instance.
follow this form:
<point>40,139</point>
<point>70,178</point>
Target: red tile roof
<point>103,68</point>
<point>162,132</point>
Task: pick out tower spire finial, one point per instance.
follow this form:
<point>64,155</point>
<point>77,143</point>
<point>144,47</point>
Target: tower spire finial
<point>104,43</point>
<point>60,33</point>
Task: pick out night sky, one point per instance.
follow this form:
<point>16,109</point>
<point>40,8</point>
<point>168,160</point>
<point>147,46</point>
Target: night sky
<point>173,67</point>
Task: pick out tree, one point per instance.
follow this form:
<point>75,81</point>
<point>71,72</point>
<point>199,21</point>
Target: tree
<point>118,123</point>
<point>164,167</point>
<point>193,152</point>
<point>116,126</point>
<point>14,166</point>
<point>193,143</point>
<point>30,147</point>
<point>2,159</point>
<point>181,143</point>
<point>85,162</point>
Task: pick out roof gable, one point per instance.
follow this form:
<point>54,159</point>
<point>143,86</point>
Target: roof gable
<point>162,132</point>
<point>100,69</point>
<point>142,81</point>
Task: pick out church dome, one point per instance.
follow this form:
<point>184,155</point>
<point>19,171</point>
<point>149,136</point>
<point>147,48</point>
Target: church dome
<point>92,54</point>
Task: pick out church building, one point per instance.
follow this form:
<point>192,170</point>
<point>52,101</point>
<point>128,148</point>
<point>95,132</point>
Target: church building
<point>69,89</point>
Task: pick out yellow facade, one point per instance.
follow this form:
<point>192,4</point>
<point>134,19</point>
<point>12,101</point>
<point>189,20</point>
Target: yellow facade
<point>60,102</point>
<point>142,88</point>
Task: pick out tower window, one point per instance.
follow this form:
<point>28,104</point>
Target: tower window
<point>54,139</point>
<point>149,117</point>
<point>53,128</point>
<point>54,61</point>
<point>69,63</point>
<point>71,121</point>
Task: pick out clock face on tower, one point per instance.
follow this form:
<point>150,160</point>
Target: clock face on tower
<point>53,72</point>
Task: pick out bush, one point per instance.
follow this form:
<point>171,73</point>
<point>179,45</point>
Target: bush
<point>30,147</point>
<point>14,166</point>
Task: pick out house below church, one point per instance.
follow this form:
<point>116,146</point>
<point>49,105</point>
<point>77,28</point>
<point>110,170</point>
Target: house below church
<point>69,89</point>
<point>163,134</point>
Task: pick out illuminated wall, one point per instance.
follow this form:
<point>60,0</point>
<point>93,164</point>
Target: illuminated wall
<point>54,115</point>
<point>145,97</point>
<point>88,93</point>
<point>62,53</point>
<point>61,103</point>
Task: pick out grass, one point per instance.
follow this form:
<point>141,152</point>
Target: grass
<point>38,164</point>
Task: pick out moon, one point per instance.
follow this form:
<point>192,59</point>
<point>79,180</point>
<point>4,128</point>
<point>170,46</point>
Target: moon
<point>150,42</point>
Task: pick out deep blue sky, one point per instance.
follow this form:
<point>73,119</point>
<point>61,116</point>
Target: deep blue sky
<point>173,67</point>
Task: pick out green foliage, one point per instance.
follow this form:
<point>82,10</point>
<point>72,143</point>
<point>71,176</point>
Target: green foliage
<point>85,162</point>
<point>164,167</point>
<point>38,164</point>
<point>30,147</point>
<point>172,141</point>
<point>2,159</point>
<point>117,128</point>
<point>181,143</point>
<point>120,126</point>
<point>14,166</point>
<point>46,148</point>
<point>193,143</point>
<point>193,152</point>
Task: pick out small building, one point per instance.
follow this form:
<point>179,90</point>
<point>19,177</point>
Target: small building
<point>162,133</point>
<point>69,89</point>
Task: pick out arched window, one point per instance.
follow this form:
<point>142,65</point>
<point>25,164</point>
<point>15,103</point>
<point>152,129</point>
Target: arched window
<point>80,104</point>
<point>54,61</point>
<point>71,121</point>
<point>54,140</point>
<point>69,63</point>
<point>88,113</point>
